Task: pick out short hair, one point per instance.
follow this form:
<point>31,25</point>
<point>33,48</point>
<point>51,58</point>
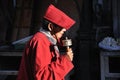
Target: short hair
<point>45,24</point>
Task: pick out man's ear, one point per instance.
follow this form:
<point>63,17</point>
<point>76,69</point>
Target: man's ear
<point>50,26</point>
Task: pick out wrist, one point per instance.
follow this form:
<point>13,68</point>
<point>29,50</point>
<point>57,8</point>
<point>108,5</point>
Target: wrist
<point>68,57</point>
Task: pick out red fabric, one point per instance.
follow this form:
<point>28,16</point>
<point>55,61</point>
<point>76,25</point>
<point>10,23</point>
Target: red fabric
<point>36,61</point>
<point>58,17</point>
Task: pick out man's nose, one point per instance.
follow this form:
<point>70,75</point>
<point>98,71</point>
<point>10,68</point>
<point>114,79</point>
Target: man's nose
<point>64,29</point>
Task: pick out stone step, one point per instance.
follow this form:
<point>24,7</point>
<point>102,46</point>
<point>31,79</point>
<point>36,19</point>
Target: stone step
<point>8,72</point>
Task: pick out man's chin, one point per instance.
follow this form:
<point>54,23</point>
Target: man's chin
<point>60,37</point>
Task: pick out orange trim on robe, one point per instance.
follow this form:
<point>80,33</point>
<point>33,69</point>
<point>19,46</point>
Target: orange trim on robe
<point>36,61</point>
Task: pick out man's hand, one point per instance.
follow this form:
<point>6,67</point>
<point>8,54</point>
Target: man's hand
<point>69,53</point>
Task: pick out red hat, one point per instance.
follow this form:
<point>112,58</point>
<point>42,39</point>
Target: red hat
<point>58,17</point>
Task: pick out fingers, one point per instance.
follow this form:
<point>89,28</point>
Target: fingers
<point>70,54</point>
<point>69,50</point>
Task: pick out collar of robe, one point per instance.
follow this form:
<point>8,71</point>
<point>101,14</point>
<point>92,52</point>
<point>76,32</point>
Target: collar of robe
<point>50,38</point>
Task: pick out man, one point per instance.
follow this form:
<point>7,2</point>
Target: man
<point>41,59</point>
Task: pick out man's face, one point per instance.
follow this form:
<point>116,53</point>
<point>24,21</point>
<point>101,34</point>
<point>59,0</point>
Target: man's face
<point>58,31</point>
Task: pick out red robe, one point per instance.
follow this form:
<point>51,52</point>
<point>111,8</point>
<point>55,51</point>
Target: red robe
<point>36,63</point>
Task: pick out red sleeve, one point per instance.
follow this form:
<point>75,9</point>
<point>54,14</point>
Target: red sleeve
<point>44,69</point>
